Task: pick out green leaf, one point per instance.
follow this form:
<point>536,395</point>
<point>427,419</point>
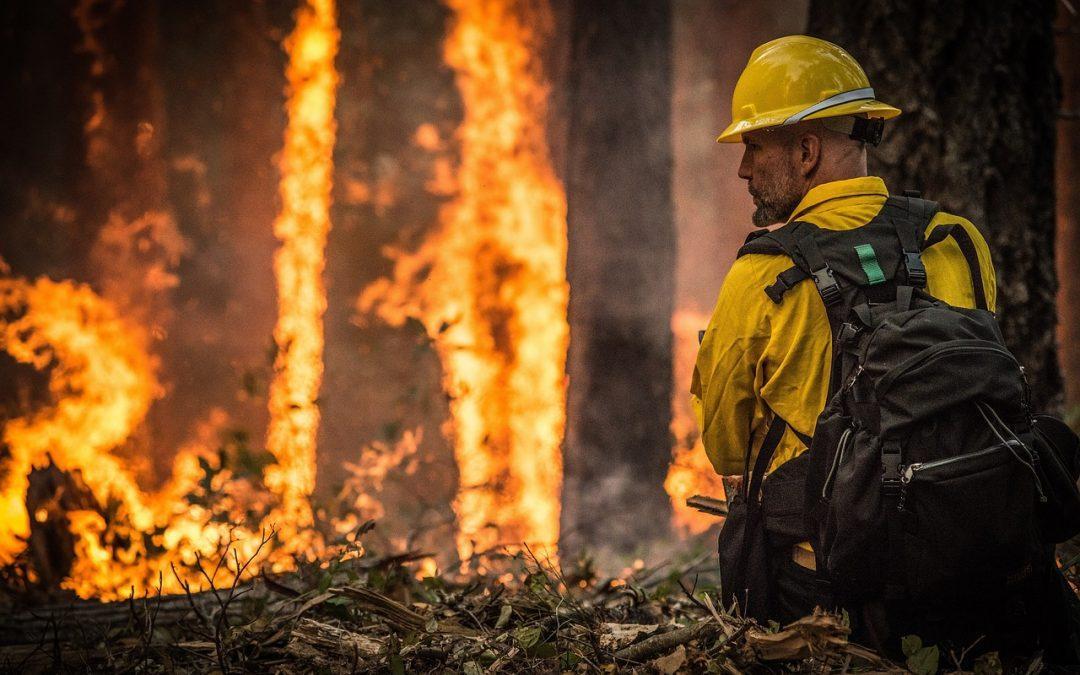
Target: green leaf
<point>544,650</point>
<point>909,644</point>
<point>324,582</point>
<point>537,583</point>
<point>924,661</point>
<point>504,616</point>
<point>397,664</point>
<point>472,668</point>
<point>989,664</point>
<point>567,660</point>
<point>527,636</point>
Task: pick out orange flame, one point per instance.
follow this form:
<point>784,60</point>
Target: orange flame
<point>364,485</point>
<point>302,227</point>
<point>490,285</point>
<point>102,383</point>
<point>690,472</point>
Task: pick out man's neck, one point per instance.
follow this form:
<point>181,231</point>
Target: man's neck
<point>823,176</point>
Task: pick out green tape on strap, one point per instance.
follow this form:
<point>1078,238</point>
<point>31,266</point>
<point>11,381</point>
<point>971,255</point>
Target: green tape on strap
<point>870,265</point>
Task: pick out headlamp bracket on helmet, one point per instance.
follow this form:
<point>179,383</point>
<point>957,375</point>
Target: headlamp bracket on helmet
<point>867,130</point>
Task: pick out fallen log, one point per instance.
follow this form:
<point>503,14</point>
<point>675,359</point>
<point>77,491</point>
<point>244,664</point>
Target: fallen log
<point>63,621</point>
<point>326,646</point>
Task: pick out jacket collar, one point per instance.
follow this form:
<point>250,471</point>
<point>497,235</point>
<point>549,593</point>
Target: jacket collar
<point>836,194</point>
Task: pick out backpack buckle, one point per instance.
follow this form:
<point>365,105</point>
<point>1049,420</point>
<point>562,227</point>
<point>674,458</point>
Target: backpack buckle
<point>826,285</point>
<point>847,333</point>
<point>890,474</point>
<point>916,272</point>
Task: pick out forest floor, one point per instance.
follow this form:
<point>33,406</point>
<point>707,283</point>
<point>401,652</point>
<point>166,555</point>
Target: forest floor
<point>514,613</point>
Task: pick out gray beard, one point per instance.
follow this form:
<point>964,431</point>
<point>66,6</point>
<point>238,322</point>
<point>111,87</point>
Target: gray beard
<point>769,214</point>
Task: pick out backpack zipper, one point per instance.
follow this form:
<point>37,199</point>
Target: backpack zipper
<point>841,446</point>
<point>931,354</point>
<point>914,468</point>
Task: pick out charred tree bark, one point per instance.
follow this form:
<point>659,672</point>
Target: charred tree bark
<point>51,494</point>
<point>977,86</point>
<point>621,271</point>
<point>41,153</point>
<point>222,72</point>
<point>1067,39</point>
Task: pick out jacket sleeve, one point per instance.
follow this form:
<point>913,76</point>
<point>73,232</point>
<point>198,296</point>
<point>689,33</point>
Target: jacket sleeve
<point>725,379</point>
<point>758,358</point>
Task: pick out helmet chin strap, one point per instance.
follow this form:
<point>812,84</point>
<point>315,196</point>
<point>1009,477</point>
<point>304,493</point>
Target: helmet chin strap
<point>866,130</point>
<point>856,127</point>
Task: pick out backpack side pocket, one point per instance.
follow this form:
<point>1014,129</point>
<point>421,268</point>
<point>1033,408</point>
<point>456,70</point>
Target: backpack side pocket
<point>1058,450</point>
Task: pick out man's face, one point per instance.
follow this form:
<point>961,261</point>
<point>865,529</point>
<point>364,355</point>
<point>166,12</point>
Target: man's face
<point>770,171</point>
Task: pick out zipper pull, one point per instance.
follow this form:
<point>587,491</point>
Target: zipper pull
<point>905,478</point>
<point>1026,386</point>
<point>854,376</point>
<point>909,472</point>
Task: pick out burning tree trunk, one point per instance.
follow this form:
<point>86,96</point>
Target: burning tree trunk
<point>1068,202</point>
<point>976,83</point>
<point>51,494</point>
<point>621,272</point>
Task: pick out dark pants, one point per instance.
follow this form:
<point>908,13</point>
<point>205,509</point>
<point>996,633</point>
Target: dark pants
<point>797,590</point>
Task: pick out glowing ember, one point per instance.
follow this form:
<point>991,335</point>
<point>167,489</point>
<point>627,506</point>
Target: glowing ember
<point>490,285</point>
<point>690,473</point>
<point>302,227</point>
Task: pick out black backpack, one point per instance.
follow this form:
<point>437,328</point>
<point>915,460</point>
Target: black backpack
<point>929,481</point>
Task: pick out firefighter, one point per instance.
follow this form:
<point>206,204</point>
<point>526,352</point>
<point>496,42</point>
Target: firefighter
<point>805,112</point>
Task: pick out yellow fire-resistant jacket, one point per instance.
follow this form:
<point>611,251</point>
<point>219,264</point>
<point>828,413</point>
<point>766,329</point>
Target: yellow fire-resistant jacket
<point>757,356</point>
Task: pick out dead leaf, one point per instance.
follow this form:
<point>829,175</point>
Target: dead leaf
<point>670,664</point>
<point>615,636</point>
<point>809,636</point>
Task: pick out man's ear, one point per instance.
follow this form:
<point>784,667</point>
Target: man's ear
<point>809,153</point>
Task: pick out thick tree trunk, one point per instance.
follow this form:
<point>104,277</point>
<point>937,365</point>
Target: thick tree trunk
<point>223,78</point>
<point>391,59</point>
<point>1067,39</point>
<point>621,272</point>
<point>976,83</point>
<point>42,149</point>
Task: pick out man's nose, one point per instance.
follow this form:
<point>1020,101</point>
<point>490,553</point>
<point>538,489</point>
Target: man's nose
<point>744,166</point>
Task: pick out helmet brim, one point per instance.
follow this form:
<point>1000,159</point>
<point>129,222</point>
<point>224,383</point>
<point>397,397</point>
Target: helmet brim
<point>870,107</point>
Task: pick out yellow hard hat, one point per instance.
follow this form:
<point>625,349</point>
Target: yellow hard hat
<point>798,78</point>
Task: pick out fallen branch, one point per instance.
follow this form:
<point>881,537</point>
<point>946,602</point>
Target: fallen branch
<point>324,644</point>
<point>639,652</point>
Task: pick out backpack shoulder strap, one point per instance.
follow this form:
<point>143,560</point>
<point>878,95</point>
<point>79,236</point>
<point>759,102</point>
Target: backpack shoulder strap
<point>910,217</point>
<point>971,256</point>
<point>797,241</point>
<point>761,242</point>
